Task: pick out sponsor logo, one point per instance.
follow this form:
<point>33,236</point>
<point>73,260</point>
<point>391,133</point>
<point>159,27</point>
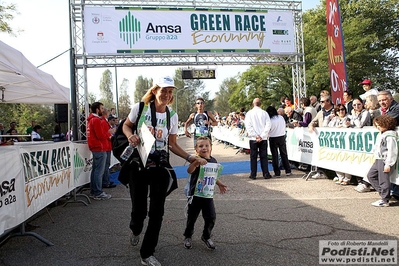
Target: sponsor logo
<point>129,29</point>
<point>280,32</point>
<point>96,20</point>
<point>100,35</point>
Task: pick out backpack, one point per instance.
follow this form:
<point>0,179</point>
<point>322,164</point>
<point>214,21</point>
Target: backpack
<point>119,140</point>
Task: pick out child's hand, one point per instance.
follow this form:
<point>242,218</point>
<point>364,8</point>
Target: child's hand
<point>222,187</point>
<point>387,169</point>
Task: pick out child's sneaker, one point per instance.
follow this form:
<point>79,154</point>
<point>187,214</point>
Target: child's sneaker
<point>150,261</point>
<point>380,203</point>
<point>209,243</point>
<point>187,243</point>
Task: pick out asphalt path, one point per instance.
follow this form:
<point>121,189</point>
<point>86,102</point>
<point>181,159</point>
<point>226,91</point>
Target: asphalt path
<point>278,221</point>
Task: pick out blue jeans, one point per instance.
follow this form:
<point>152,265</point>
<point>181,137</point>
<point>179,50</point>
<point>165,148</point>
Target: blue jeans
<point>97,172</point>
<point>106,168</point>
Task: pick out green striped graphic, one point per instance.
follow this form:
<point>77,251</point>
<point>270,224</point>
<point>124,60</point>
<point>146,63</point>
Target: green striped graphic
<point>129,29</point>
<point>78,163</point>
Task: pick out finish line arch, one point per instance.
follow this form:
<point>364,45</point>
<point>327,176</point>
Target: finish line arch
<point>130,33</point>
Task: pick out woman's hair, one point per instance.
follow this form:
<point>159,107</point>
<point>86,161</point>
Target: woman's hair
<point>149,96</point>
<point>358,99</point>
<point>271,110</point>
<point>57,129</point>
<point>338,106</point>
<point>385,121</point>
<point>374,102</point>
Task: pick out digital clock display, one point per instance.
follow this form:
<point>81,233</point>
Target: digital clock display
<point>198,73</point>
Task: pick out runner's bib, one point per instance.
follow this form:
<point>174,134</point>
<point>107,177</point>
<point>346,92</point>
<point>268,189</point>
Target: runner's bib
<point>207,178</point>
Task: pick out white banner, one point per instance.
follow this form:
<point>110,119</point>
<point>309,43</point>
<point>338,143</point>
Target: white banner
<point>48,175</point>
<point>82,163</point>
<point>113,30</point>
<point>11,189</point>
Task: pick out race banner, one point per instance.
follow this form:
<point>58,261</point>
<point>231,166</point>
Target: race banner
<point>11,189</point>
<point>336,52</point>
<point>47,172</point>
<point>347,150</point>
<point>115,30</point>
<point>82,164</point>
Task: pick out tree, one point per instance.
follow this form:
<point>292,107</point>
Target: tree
<point>107,97</point>
<point>6,15</point>
<point>142,86</point>
<point>371,44</point>
<point>222,105</point>
<point>124,100</point>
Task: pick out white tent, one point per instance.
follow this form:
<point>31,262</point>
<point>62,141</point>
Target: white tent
<point>22,82</point>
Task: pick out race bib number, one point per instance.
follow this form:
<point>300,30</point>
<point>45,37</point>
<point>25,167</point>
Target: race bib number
<point>207,178</point>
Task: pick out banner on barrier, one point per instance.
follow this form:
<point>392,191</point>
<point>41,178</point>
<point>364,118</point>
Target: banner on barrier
<point>12,194</point>
<point>47,173</point>
<point>82,164</point>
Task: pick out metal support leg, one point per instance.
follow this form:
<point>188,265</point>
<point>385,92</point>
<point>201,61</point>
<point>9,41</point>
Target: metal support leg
<point>313,170</point>
<point>22,232</point>
<point>75,194</point>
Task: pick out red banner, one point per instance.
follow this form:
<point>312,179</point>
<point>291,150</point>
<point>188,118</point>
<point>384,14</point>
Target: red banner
<point>336,52</point>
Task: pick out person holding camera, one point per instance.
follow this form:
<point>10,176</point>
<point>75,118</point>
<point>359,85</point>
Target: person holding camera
<point>156,174</point>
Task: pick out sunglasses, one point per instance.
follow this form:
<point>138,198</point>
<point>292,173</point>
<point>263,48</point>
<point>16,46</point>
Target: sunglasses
<point>199,102</point>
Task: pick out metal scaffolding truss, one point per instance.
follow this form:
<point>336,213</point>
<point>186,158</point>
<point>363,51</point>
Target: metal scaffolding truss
<point>82,61</point>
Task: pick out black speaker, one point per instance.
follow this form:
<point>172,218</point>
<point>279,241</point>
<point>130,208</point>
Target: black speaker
<point>61,113</point>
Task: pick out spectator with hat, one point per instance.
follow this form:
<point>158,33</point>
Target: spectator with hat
<point>367,87</point>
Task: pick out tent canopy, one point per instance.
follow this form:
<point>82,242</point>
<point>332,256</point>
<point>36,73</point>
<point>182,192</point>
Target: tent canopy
<point>22,82</point>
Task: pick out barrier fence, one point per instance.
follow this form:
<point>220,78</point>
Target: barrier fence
<point>34,175</point>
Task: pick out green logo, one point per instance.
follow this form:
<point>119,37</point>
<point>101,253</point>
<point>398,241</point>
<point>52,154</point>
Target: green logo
<point>129,29</point>
<point>79,164</point>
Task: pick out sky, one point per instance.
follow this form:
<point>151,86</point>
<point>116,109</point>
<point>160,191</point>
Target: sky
<point>45,35</point>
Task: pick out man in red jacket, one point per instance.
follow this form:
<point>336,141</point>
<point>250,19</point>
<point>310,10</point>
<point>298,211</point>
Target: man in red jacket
<point>97,139</point>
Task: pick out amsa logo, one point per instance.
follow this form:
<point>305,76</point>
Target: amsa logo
<point>305,144</point>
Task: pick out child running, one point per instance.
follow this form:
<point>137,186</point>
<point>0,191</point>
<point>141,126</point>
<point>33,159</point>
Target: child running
<point>200,193</point>
<point>386,153</point>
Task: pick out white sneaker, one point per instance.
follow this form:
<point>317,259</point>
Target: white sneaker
<point>102,196</point>
<point>336,179</point>
<point>361,188</point>
<point>380,203</point>
<point>150,261</point>
<point>318,175</point>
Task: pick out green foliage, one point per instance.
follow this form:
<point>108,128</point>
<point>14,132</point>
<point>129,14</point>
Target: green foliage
<point>371,39</point>
<point>106,86</point>
<point>142,86</point>
<point>23,114</point>
<point>124,104</point>
<point>222,105</point>
<point>6,15</point>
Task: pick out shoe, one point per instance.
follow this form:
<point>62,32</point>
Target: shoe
<point>336,179</point>
<point>303,167</point>
<point>288,174</point>
<point>102,196</point>
<point>187,243</point>
<point>134,240</point>
<point>268,176</point>
<point>252,177</point>
<point>380,203</point>
<point>339,182</point>
<point>318,176</point>
<point>110,185</point>
<point>150,261</point>
<point>209,243</point>
<point>361,188</point>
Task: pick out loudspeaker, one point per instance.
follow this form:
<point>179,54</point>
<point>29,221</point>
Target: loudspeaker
<point>61,113</point>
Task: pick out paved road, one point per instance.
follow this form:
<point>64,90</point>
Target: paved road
<point>259,222</point>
